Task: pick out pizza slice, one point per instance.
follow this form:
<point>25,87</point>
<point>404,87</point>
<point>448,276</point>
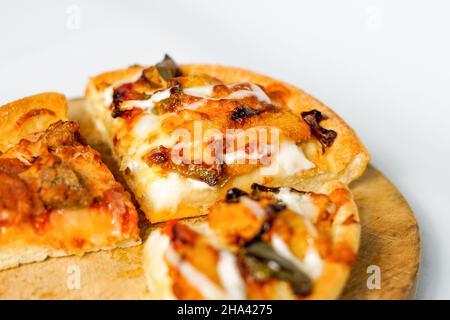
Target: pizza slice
<point>271,243</point>
<point>57,197</point>
<point>184,135</point>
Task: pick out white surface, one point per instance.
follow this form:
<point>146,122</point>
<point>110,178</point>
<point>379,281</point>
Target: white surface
<point>383,65</point>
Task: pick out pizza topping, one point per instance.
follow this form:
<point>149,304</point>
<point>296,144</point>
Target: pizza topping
<point>58,185</point>
<point>299,202</point>
<point>13,166</point>
<point>241,112</point>
<point>16,200</point>
<point>313,118</point>
<point>180,234</point>
<point>279,267</point>
<point>289,160</point>
<point>312,262</point>
<point>234,194</point>
<point>230,276</point>
<point>168,69</point>
<point>212,174</point>
<point>62,133</point>
<point>266,255</point>
<point>216,275</point>
<point>114,200</point>
<point>260,188</point>
<point>251,253</point>
<point>123,93</point>
<point>254,207</point>
<point>167,192</point>
<point>160,155</point>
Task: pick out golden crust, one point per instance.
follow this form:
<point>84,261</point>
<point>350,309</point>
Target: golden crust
<point>28,115</point>
<point>108,78</point>
<point>346,234</point>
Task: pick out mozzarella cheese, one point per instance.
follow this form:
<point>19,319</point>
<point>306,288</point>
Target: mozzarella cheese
<point>254,207</point>
<point>156,269</point>
<point>230,276</point>
<point>289,160</point>
<point>167,193</point>
<point>201,282</point>
<point>312,263</point>
<point>301,204</point>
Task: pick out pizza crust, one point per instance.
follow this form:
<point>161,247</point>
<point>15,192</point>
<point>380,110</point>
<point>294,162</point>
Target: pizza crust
<point>23,117</point>
<point>13,256</point>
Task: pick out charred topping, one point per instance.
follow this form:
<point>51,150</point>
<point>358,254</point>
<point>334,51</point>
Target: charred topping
<point>259,257</point>
<point>152,78</point>
<point>211,174</point>
<point>242,112</point>
<point>274,208</point>
<point>122,93</point>
<point>172,102</point>
<point>234,194</point>
<point>326,137</point>
<point>159,155</point>
<point>180,234</point>
<point>168,68</point>
<point>260,188</point>
<point>264,254</point>
<point>272,211</point>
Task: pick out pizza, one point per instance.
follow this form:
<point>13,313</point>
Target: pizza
<point>57,197</point>
<point>184,135</point>
<point>269,243</point>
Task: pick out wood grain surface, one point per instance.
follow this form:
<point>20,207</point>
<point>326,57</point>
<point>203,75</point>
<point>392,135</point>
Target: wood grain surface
<point>390,241</point>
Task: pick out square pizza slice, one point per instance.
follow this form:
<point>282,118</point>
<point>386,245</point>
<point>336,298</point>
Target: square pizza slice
<point>183,135</point>
<point>57,197</point>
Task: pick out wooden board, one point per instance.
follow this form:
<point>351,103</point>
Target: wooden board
<point>390,241</point>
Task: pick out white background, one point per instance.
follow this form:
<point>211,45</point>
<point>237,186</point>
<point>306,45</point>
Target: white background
<point>382,65</point>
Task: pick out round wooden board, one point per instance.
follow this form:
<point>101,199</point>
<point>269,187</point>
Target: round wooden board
<point>389,241</point>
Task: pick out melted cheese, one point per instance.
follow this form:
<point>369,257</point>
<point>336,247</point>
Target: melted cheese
<point>108,96</point>
<point>230,276</point>
<point>194,105</point>
<point>301,204</point>
<point>146,124</point>
<point>312,263</point>
<point>200,92</point>
<point>290,160</point>
<point>206,92</point>
<point>156,269</point>
<point>241,156</point>
<point>109,91</point>
<point>260,94</point>
<point>254,207</point>
<point>167,193</point>
<point>147,104</point>
<point>201,282</point>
